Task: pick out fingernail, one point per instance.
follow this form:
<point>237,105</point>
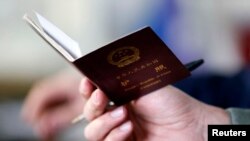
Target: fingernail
<point>117,112</point>
<point>126,126</point>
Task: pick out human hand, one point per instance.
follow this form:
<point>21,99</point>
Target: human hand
<point>165,114</point>
<point>52,103</point>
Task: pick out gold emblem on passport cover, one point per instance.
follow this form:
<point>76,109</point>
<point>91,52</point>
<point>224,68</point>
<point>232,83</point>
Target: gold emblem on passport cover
<point>123,56</point>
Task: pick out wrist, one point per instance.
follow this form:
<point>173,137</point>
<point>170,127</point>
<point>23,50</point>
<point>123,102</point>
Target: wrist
<point>213,116</point>
<point>216,115</point>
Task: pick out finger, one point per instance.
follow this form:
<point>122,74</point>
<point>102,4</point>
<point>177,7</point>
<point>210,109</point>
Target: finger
<point>86,88</point>
<point>36,99</point>
<point>120,133</point>
<point>54,120</point>
<point>101,126</point>
<point>96,105</point>
<point>45,96</point>
<point>50,92</point>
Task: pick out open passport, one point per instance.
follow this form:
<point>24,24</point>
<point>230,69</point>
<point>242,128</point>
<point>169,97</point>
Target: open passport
<point>125,69</point>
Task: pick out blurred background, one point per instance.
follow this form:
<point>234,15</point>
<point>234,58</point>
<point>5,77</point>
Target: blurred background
<point>216,30</point>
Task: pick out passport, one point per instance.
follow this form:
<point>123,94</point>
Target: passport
<point>125,69</point>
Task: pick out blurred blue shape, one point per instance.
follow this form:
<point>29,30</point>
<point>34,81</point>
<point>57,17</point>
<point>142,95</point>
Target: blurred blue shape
<point>222,91</point>
<point>165,14</point>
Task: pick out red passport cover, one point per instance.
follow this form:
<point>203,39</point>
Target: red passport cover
<point>132,66</point>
